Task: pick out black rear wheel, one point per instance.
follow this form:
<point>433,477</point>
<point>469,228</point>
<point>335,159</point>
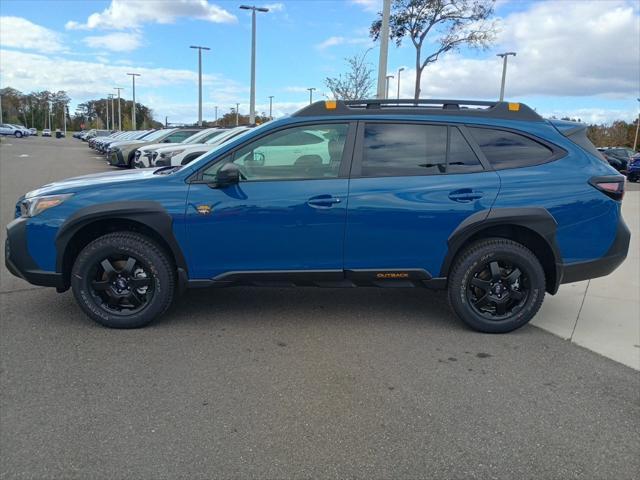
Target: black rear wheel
<point>123,280</point>
<point>496,285</point>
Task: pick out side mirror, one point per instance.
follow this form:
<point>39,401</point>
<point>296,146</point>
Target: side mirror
<point>229,174</point>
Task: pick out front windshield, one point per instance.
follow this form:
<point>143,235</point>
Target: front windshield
<point>202,137</point>
<point>156,134</point>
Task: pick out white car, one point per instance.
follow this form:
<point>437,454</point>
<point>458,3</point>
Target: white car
<point>46,132</point>
<point>144,156</point>
<point>15,130</point>
<point>33,131</point>
<point>183,154</point>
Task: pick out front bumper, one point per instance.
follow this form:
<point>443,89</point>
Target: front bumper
<point>116,159</point>
<point>20,263</point>
<point>575,272</point>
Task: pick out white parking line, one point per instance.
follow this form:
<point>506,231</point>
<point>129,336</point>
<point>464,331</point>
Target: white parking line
<point>23,155</point>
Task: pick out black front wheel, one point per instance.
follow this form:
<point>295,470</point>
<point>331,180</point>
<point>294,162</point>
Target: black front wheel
<point>496,285</point>
<point>123,280</point>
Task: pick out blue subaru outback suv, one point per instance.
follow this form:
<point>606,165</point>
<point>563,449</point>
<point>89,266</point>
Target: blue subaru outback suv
<point>486,199</point>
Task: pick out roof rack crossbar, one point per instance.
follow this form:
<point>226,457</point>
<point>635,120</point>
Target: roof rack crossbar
<point>479,108</point>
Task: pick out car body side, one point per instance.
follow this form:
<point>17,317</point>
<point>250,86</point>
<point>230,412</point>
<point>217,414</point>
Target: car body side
<point>570,222</point>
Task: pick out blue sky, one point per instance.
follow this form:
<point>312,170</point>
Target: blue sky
<point>577,58</point>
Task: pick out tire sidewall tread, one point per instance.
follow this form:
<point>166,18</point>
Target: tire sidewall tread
<point>483,252</point>
<point>141,247</point>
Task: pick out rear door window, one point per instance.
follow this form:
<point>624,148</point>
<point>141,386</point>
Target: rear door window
<point>396,150</point>
<point>462,158</point>
<point>506,149</point>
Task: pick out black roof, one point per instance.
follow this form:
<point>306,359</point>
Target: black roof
<point>475,108</point>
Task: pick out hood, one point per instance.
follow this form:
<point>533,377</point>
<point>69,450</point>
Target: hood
<point>125,143</point>
<point>75,184</point>
<point>155,146</point>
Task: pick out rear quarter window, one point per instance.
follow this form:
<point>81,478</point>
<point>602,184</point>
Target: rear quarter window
<point>505,149</point>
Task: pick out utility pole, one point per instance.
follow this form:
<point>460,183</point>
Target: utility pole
<point>635,141</point>
<point>387,86</point>
<point>199,81</point>
<point>504,71</point>
<point>1,108</point>
<point>237,114</point>
<point>113,113</point>
<point>107,102</point>
<point>311,94</point>
<point>252,96</point>
<point>119,112</point>
<point>270,107</point>
<point>401,69</point>
<point>64,114</point>
<point>133,106</point>
<point>216,109</point>
<point>384,48</point>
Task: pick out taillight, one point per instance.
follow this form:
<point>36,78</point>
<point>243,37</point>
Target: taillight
<point>612,186</point>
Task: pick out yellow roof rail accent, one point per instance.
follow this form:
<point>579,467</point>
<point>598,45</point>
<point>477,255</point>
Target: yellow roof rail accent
<point>330,104</point>
<point>514,107</point>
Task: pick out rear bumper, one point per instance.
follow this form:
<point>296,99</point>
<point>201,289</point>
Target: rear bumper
<point>575,272</point>
<point>20,263</point>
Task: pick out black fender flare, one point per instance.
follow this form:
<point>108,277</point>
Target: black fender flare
<point>148,213</point>
<point>537,219</point>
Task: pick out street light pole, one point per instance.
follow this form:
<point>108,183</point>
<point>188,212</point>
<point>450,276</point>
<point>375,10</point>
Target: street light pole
<point>107,102</point>
<point>387,86</point>
<point>252,96</point>
<point>199,81</point>
<point>237,114</point>
<point>133,107</point>
<point>401,69</point>
<point>504,71</point>
<point>113,112</point>
<point>311,94</point>
<point>216,109</point>
<point>270,107</point>
<point>384,48</point>
<point>635,141</point>
<point>119,112</point>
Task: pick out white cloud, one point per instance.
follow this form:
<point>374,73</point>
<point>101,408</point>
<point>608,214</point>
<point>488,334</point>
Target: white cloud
<point>18,32</point>
<point>124,14</point>
<point>568,49</point>
<point>274,7</point>
<point>116,42</point>
<point>84,79</point>
<point>337,40</point>
<point>369,5</point>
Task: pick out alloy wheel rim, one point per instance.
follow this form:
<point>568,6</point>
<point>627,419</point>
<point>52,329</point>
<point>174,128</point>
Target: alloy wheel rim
<point>121,284</point>
<point>498,289</point>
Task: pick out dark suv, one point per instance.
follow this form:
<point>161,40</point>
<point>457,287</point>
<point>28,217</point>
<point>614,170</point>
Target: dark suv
<point>486,199</point>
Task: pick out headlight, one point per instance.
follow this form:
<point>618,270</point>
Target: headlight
<point>30,207</point>
<point>171,154</point>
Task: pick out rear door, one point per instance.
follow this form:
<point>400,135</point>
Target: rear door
<point>411,186</point>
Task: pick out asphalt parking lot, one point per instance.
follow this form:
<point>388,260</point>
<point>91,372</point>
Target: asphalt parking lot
<point>292,383</point>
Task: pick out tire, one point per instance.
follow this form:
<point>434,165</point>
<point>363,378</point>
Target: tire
<point>496,300</point>
<point>18,134</point>
<point>135,287</point>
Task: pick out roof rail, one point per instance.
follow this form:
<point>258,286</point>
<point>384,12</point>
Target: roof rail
<point>485,109</point>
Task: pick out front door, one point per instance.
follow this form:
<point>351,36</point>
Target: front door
<point>286,214</point>
<point>412,185</point>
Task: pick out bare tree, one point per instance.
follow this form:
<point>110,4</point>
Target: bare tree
<point>452,23</point>
<point>356,84</point>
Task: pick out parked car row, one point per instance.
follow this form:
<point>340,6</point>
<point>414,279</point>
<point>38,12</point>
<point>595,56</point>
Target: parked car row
<point>155,148</point>
<point>624,160</point>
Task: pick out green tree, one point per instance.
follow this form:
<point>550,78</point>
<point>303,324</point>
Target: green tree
<point>447,25</point>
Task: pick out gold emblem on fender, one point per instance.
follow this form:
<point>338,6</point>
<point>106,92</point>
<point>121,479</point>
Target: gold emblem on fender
<point>392,275</point>
<point>203,209</point>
